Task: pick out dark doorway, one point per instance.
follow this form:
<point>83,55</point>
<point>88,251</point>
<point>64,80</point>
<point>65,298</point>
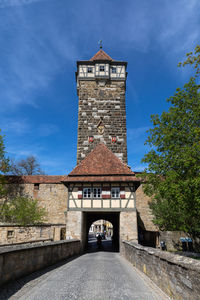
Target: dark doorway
<point>109,244</point>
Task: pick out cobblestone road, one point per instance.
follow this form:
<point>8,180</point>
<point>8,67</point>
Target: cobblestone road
<point>92,276</point>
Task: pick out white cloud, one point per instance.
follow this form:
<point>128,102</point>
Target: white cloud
<point>33,52</point>
<point>136,133</point>
<point>47,129</point>
<point>35,47</point>
<point>18,127</point>
<point>169,29</point>
<point>138,168</point>
<point>180,30</point>
<point>22,150</point>
<point>57,165</point>
<point>13,127</point>
<point>10,3</point>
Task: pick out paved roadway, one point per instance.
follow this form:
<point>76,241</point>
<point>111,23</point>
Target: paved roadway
<point>98,274</point>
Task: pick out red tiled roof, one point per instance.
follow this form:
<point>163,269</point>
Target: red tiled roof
<point>101,161</point>
<point>100,165</point>
<point>35,179</point>
<point>101,55</point>
<point>45,179</point>
<point>101,179</point>
<point>64,178</point>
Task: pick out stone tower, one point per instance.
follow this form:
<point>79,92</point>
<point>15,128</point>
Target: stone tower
<point>101,87</point>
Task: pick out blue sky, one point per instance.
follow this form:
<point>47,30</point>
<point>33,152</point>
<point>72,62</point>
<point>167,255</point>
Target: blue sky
<point>40,42</point>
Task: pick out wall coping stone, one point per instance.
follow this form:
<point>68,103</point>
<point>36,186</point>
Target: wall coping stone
<point>175,259</point>
<point>29,242</point>
<point>31,225</point>
<point>17,248</point>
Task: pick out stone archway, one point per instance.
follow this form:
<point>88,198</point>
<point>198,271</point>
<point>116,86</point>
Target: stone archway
<point>124,224</point>
<point>89,217</point>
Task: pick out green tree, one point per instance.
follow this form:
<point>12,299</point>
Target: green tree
<point>23,211</point>
<point>15,207</point>
<point>4,166</point>
<point>172,178</point>
<point>27,166</point>
<point>193,58</point>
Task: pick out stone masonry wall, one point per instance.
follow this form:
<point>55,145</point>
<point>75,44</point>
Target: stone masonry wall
<point>16,234</point>
<point>177,276</point>
<point>144,212</point>
<point>173,242</point>
<point>13,234</point>
<point>73,225</point>
<point>23,260</point>
<point>128,226</point>
<point>53,197</point>
<point>102,101</point>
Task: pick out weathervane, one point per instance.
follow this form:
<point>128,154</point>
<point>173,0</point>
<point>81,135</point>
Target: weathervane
<point>100,43</point>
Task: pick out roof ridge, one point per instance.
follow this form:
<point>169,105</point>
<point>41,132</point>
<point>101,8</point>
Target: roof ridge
<point>101,161</point>
<point>101,55</point>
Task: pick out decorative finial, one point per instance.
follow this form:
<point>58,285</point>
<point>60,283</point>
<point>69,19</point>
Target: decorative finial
<point>100,43</point>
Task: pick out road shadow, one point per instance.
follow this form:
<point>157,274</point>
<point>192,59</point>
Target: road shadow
<point>11,288</point>
<point>107,245</point>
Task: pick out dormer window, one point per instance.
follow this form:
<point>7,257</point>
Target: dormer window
<point>101,68</point>
<point>97,192</point>
<point>90,70</point>
<point>92,193</point>
<point>87,193</point>
<point>115,192</point>
<point>113,70</point>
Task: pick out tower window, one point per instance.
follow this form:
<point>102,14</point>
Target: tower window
<point>90,70</point>
<point>97,192</point>
<point>113,70</point>
<point>115,192</point>
<point>87,193</point>
<point>101,68</point>
<point>92,193</point>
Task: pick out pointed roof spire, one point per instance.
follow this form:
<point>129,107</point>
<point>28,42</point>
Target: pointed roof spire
<point>100,43</point>
<point>101,55</point>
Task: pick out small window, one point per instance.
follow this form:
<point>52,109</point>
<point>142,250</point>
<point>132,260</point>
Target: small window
<point>36,186</point>
<point>113,70</point>
<point>90,70</point>
<point>101,68</point>
<point>97,192</point>
<point>10,233</point>
<point>87,193</point>
<point>115,192</point>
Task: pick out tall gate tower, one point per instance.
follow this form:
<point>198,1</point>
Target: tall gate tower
<point>101,186</point>
<point>101,87</point>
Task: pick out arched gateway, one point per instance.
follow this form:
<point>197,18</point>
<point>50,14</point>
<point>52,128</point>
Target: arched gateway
<point>101,185</point>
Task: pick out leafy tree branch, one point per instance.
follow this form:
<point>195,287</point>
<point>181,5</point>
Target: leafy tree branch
<point>172,178</point>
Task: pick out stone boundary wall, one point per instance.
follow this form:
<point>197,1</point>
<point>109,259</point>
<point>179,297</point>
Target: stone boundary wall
<point>177,276</point>
<point>13,234</point>
<point>172,240</point>
<point>25,259</point>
